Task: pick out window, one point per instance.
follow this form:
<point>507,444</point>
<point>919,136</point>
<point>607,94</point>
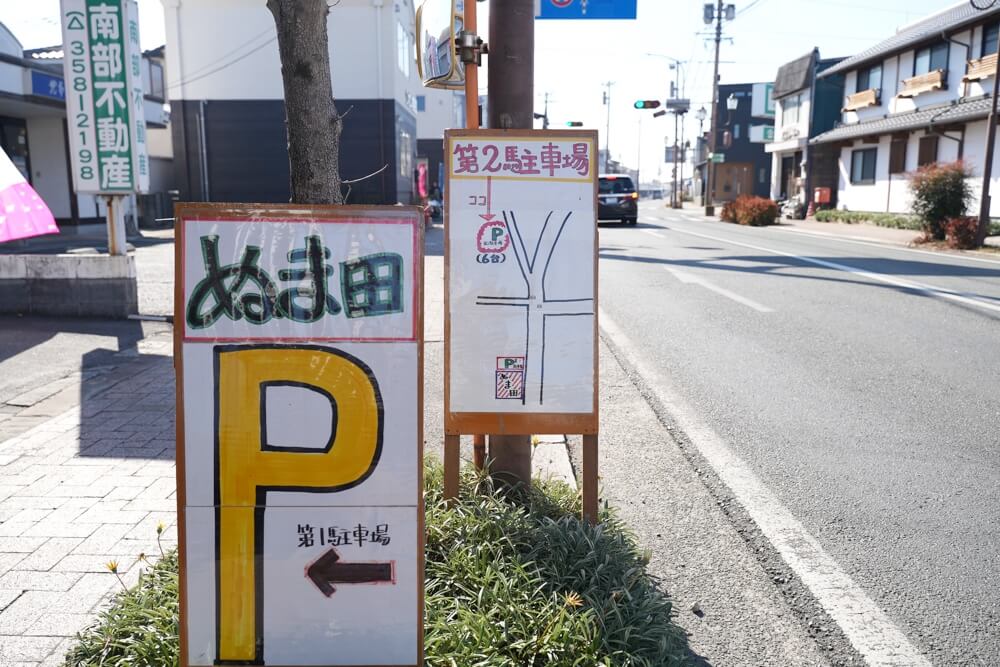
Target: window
<point>404,49</point>
<point>897,156</point>
<point>869,78</point>
<point>736,131</point>
<point>928,153</point>
<point>790,109</point>
<point>421,103</point>
<point>607,185</point>
<point>155,80</point>
<point>991,37</point>
<point>931,58</point>
<point>863,166</point>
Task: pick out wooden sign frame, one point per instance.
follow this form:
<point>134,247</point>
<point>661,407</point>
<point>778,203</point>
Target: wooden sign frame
<point>520,423</point>
<point>291,213</point>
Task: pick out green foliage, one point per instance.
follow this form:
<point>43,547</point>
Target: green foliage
<point>513,579</point>
<point>139,627</point>
<point>749,210</point>
<point>892,220</point>
<point>940,192</point>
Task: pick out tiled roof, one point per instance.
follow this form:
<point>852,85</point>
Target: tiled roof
<point>947,21</point>
<point>44,53</point>
<point>944,115</point>
<point>793,76</point>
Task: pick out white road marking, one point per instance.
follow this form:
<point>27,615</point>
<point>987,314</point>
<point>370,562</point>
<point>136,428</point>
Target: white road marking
<point>692,279</point>
<point>897,282</point>
<point>864,624</point>
<point>658,235</point>
<point>858,240</point>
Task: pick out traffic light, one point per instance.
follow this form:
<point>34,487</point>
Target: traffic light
<point>647,104</point>
<point>574,123</point>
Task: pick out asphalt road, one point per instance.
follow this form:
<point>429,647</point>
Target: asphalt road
<point>860,382</point>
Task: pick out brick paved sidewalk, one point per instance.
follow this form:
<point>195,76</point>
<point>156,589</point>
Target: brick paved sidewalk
<point>77,490</point>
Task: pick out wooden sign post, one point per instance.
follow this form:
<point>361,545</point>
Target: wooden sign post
<point>521,290</point>
<point>299,357</point>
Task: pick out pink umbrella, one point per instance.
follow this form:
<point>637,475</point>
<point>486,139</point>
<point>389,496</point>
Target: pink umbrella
<point>22,211</point>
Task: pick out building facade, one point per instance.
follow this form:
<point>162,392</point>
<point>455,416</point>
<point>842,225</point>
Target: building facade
<point>33,131</point>
<point>745,168</point>
<point>805,107</point>
<point>227,100</point>
<point>919,97</point>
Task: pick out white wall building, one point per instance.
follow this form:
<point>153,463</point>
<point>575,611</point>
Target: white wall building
<point>920,96</point>
<point>227,99</point>
<point>33,129</point>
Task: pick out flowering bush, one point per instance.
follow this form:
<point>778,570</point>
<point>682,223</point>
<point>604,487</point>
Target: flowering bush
<point>728,212</point>
<point>961,232</point>
<point>940,192</point>
<point>752,211</point>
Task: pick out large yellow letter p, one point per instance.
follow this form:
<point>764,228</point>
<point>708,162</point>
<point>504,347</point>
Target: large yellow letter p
<point>247,468</point>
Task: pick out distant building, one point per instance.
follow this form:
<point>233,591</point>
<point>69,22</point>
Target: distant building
<point>918,97</point>
<point>745,168</point>
<point>227,101</point>
<point>806,107</point>
<point>33,132</point>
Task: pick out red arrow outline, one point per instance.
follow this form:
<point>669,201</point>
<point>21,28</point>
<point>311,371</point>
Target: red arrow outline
<point>488,216</point>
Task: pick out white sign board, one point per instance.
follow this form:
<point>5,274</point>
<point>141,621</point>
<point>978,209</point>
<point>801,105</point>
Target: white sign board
<point>102,65</point>
<point>761,134</point>
<point>521,273</point>
<point>762,100</point>
<point>300,455</point>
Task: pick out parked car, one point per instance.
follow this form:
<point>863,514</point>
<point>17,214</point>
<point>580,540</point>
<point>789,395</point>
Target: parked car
<point>617,198</point>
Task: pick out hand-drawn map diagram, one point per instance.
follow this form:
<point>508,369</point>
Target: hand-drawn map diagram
<point>521,271</point>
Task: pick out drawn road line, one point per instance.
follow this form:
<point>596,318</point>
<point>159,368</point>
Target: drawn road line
<point>942,292</point>
<point>863,622</point>
<point>691,279</point>
<point>658,235</point>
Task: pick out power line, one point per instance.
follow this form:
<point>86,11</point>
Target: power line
<point>202,73</point>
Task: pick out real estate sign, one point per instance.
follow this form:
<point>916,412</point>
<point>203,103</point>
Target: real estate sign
<point>102,66</point>
<point>299,339</point>
<point>762,100</point>
<point>521,281</point>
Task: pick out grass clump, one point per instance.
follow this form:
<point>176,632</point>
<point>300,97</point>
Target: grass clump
<point>139,627</point>
<point>513,579</point>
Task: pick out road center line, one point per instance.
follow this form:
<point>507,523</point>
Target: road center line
<point>863,622</point>
<point>906,284</point>
<point>691,279</point>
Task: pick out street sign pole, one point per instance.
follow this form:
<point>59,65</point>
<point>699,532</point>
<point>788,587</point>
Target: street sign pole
<point>709,168</point>
<point>116,224</point>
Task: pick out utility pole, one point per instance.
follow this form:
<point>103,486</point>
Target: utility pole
<point>511,106</point>
<point>607,131</point>
<point>713,131</point>
<point>991,133</point>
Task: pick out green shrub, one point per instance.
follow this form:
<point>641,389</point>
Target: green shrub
<point>512,579</point>
<point>940,192</point>
<point>892,220</point>
<point>961,232</point>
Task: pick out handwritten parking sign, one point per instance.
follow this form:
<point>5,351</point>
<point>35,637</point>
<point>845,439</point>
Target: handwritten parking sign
<point>299,440</point>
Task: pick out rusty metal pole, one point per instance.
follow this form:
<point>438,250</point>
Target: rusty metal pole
<point>511,106</point>
<point>991,133</point>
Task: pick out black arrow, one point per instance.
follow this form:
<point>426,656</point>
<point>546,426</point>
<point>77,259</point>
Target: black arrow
<point>327,570</point>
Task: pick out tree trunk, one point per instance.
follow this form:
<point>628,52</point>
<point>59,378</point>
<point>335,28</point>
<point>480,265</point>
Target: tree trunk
<point>312,120</point>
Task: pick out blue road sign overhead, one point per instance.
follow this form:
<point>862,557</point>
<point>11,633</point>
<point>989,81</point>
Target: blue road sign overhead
<point>588,9</point>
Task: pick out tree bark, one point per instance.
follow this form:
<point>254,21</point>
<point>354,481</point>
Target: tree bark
<point>312,120</point>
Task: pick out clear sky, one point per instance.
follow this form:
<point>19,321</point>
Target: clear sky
<point>574,58</point>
